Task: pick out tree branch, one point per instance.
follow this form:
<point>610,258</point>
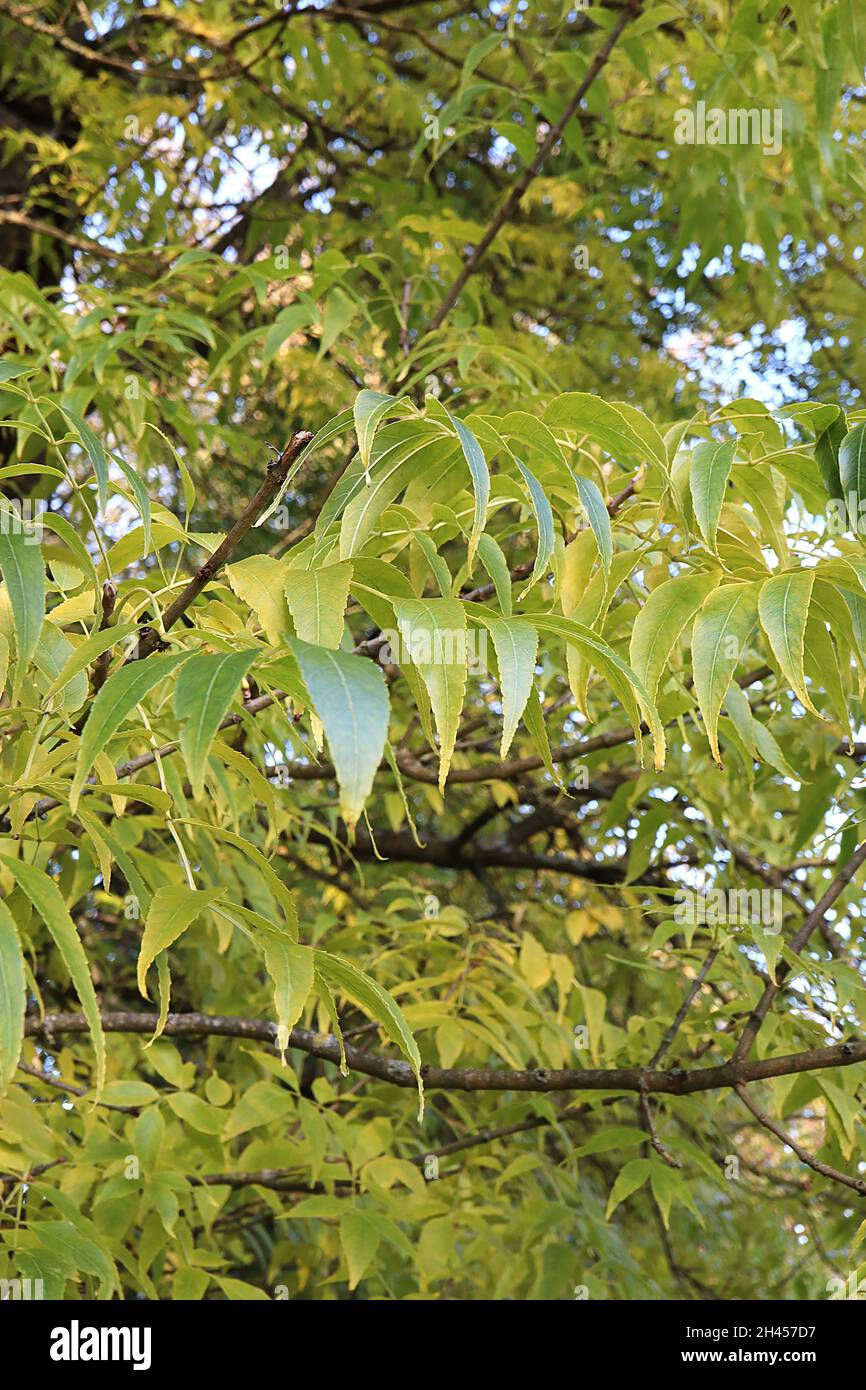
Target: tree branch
<point>675,1082</point>
<point>267,492</point>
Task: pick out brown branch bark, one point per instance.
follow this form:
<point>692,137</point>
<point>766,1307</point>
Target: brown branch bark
<point>798,941</point>
<point>512,202</point>
<point>803,1154</point>
<point>263,498</point>
<point>675,1082</point>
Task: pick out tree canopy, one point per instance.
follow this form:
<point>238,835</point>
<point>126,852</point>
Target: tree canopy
<point>433,649</point>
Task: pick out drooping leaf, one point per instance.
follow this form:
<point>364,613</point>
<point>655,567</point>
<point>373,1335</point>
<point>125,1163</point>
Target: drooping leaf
<point>117,699</point>
<point>783,607</point>
<point>433,631</point>
<point>711,469</point>
<point>852,469</point>
<point>317,600</point>
<point>172,911</point>
<point>660,622</point>
<point>205,688</point>
<point>597,514</point>
<point>13,996</point>
<point>292,970</point>
<point>24,575</point>
<point>350,697</point>
<point>721,631</point>
<point>344,977</point>
<point>516,644</point>
<point>51,909</point>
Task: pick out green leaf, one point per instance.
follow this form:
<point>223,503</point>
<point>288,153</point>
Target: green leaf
<point>403,452</point>
<point>292,970</point>
<point>287,322</point>
<point>494,561</point>
<point>204,690</point>
<point>827,446</point>
<point>720,633</point>
<point>172,910</point>
<point>340,310</point>
<point>258,582</point>
<point>50,907</point>
<point>480,476</point>
<point>95,452</point>
<point>317,601</point>
<point>117,698</point>
<point>598,516</point>
<point>632,1176</point>
<point>86,652</point>
<point>13,997</point>
<point>618,428</point>
<point>711,469</point>
<point>433,632</point>
<point>852,470</point>
<point>369,411</point>
<point>516,644</point>
<point>360,1241</point>
<point>24,573</point>
<point>142,499</point>
<point>660,622</point>
<point>783,607</point>
<point>345,978</point>
<point>544,521</point>
<point>51,655</point>
<point>350,697</point>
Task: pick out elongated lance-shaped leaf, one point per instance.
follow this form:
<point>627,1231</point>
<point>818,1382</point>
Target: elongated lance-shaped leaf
<point>627,686</point>
<point>433,632</point>
<point>827,445</point>
<point>172,911</point>
<point>117,699</point>
<point>369,411</point>
<point>24,573</point>
<point>660,622</point>
<point>51,909</point>
<point>292,971</point>
<point>852,470</point>
<point>142,498</point>
<point>544,521</point>
<point>95,452</point>
<point>258,581</point>
<point>349,695</point>
<point>474,456</point>
<point>493,559</point>
<point>13,996</point>
<point>711,469</point>
<point>391,473</point>
<point>783,607</point>
<point>598,516</point>
<point>721,631</point>
<point>86,652</point>
<point>205,688</point>
<point>621,430</point>
<point>516,643</point>
<point>345,978</point>
<point>317,601</point>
